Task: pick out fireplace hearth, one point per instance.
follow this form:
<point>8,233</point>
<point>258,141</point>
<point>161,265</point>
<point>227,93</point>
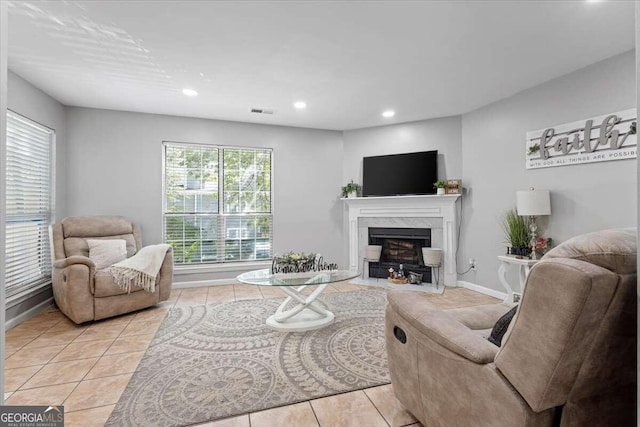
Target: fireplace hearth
<point>400,246</point>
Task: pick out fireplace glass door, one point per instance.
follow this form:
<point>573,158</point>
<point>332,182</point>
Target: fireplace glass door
<point>400,246</point>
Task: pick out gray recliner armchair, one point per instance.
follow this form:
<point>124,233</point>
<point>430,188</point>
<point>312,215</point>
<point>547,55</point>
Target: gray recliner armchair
<point>83,294</point>
<point>568,359</point>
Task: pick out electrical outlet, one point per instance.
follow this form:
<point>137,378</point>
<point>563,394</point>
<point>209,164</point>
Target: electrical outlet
<point>472,263</point>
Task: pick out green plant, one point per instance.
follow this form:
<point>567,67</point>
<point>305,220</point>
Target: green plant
<point>351,187</point>
<point>516,229</point>
<point>440,184</point>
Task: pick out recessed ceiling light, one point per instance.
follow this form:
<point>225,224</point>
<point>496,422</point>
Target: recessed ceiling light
<point>389,113</point>
<point>189,92</point>
<point>594,1</point>
<point>300,105</point>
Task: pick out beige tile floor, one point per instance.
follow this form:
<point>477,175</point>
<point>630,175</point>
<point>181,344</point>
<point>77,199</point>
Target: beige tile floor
<point>50,360</point>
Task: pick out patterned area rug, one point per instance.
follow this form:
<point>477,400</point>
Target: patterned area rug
<point>215,361</point>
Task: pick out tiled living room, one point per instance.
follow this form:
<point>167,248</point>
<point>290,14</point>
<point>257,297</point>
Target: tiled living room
<point>269,213</point>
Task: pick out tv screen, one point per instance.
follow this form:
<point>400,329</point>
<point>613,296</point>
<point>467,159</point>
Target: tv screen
<point>400,174</point>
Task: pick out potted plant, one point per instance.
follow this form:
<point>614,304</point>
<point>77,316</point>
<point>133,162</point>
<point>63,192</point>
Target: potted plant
<point>351,190</point>
<point>517,233</point>
<point>440,187</point>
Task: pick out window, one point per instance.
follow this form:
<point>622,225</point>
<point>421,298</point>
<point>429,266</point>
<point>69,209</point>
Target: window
<point>29,204</point>
<point>217,203</point>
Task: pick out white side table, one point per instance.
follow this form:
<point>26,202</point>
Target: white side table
<point>524,265</point>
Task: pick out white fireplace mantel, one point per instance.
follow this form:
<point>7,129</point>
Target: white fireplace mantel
<point>407,207</point>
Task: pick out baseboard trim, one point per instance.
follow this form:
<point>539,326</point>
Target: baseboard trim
<point>482,289</point>
<point>203,283</point>
<point>28,314</point>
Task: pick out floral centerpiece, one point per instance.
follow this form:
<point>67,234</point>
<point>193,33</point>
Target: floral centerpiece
<point>294,262</point>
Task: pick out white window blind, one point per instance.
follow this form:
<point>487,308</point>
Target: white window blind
<point>217,203</point>
<point>28,204</point>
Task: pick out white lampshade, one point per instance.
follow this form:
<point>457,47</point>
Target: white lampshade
<point>533,202</point>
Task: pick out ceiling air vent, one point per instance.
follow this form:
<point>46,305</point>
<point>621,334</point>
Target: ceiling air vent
<point>261,111</point>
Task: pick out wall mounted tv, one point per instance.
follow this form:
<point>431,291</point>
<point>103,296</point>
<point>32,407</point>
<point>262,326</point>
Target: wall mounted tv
<point>400,174</point>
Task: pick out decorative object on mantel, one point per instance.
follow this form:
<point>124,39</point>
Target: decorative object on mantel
<point>293,262</point>
<point>351,190</point>
<point>440,187</point>
<point>533,203</point>
<point>517,233</point>
<point>454,186</point>
<point>598,139</point>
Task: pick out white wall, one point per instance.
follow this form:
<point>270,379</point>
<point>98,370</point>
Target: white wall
<point>584,197</point>
<point>444,135</point>
<point>115,168</point>
<point>29,101</point>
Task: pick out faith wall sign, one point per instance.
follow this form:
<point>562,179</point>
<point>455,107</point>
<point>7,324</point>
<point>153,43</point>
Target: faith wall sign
<point>598,139</point>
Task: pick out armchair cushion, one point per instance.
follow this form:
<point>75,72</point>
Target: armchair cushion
<point>79,245</point>
<point>107,252</point>
<point>106,287</point>
<point>442,327</point>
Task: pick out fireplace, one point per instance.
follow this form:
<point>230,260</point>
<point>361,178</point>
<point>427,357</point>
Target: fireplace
<point>435,212</point>
<point>400,246</point>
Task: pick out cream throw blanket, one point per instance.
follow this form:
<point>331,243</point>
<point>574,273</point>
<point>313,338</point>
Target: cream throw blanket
<point>141,269</point>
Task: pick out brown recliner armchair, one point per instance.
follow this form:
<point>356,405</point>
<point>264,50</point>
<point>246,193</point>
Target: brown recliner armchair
<point>568,359</point>
<point>83,294</point>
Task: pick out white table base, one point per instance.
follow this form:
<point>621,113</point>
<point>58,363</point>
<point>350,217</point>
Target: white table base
<point>307,315</point>
<point>524,266</point>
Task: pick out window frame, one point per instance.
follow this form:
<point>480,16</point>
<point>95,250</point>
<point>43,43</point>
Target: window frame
<point>24,292</point>
<point>218,265</point>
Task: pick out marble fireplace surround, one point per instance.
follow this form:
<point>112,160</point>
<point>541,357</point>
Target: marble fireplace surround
<point>435,212</point>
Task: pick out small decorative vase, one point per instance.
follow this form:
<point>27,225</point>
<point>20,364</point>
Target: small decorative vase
<point>352,195</point>
<point>440,191</point>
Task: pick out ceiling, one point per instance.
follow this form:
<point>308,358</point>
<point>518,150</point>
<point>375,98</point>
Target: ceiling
<point>349,61</point>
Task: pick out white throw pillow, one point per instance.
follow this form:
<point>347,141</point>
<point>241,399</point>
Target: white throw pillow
<point>107,252</point>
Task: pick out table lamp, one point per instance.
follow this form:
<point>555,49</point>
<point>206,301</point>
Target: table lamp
<point>533,203</point>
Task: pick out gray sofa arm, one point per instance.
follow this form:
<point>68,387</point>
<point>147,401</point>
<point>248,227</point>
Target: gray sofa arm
<point>75,259</point>
<point>442,328</point>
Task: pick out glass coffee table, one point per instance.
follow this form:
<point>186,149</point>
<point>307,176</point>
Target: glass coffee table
<point>306,313</point>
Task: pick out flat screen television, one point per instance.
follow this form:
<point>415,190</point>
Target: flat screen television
<point>400,174</point>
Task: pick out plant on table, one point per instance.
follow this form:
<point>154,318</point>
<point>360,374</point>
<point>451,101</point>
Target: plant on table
<point>517,232</point>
